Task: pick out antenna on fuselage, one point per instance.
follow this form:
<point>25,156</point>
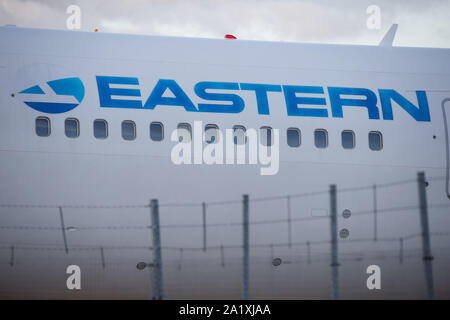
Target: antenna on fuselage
<point>388,38</point>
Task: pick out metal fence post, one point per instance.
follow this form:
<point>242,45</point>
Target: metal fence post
<point>334,246</point>
<point>222,257</point>
<point>157,257</point>
<point>102,255</point>
<point>375,222</point>
<point>289,221</point>
<point>204,225</point>
<point>427,256</point>
<point>11,261</point>
<point>63,228</point>
<point>272,256</point>
<point>181,259</point>
<point>245,277</point>
<point>308,251</point>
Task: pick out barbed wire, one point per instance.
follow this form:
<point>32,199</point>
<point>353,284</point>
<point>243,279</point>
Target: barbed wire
<point>58,247</point>
<point>312,251</point>
<point>212,225</point>
<point>314,257</point>
<point>216,203</point>
<point>55,206</point>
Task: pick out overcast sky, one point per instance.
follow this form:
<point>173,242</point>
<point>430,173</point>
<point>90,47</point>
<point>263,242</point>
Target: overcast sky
<point>421,23</point>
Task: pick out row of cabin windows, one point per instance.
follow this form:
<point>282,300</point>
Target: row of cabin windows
<point>293,135</point>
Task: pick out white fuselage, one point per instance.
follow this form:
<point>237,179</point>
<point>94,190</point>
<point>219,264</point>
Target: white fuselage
<point>83,171</point>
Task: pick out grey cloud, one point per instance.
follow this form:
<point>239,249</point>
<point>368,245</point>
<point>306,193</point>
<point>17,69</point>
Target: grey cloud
<point>422,23</point>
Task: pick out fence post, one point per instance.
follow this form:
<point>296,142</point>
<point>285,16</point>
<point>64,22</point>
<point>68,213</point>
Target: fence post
<point>63,228</point>
<point>222,256</point>
<point>204,226</point>
<point>157,257</point>
<point>427,256</point>
<point>289,221</point>
<point>11,261</point>
<point>181,259</point>
<point>375,222</point>
<point>334,246</point>
<point>308,251</point>
<point>401,250</point>
<point>272,256</point>
<point>246,249</point>
<point>102,255</point>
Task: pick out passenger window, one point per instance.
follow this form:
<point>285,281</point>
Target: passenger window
<point>239,136</point>
<point>72,127</point>
<point>184,132</point>
<point>211,133</point>
<point>321,138</point>
<point>375,140</point>
<point>42,126</point>
<point>293,137</point>
<point>348,139</point>
<point>266,136</point>
<point>156,131</point>
<point>128,130</point>
<point>100,129</point>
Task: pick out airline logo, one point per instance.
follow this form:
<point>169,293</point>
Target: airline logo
<point>44,100</point>
<point>223,97</point>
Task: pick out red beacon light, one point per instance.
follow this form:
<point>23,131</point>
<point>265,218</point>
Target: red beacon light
<point>229,36</point>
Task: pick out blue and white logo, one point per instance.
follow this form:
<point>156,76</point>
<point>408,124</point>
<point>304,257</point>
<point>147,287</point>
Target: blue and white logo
<point>38,98</point>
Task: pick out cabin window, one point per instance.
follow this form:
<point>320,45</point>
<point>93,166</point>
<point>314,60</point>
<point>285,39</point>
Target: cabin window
<point>128,130</point>
<point>239,136</point>
<point>375,140</point>
<point>211,133</point>
<point>348,139</point>
<point>321,138</point>
<point>156,131</point>
<point>72,127</point>
<point>42,126</point>
<point>100,129</point>
<point>184,132</point>
<point>293,137</point>
<point>266,136</point>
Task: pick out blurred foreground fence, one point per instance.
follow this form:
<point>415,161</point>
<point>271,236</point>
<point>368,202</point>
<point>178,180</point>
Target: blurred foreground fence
<point>309,245</point>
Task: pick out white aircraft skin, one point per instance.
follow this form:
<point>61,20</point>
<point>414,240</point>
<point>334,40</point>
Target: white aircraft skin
<point>57,170</point>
